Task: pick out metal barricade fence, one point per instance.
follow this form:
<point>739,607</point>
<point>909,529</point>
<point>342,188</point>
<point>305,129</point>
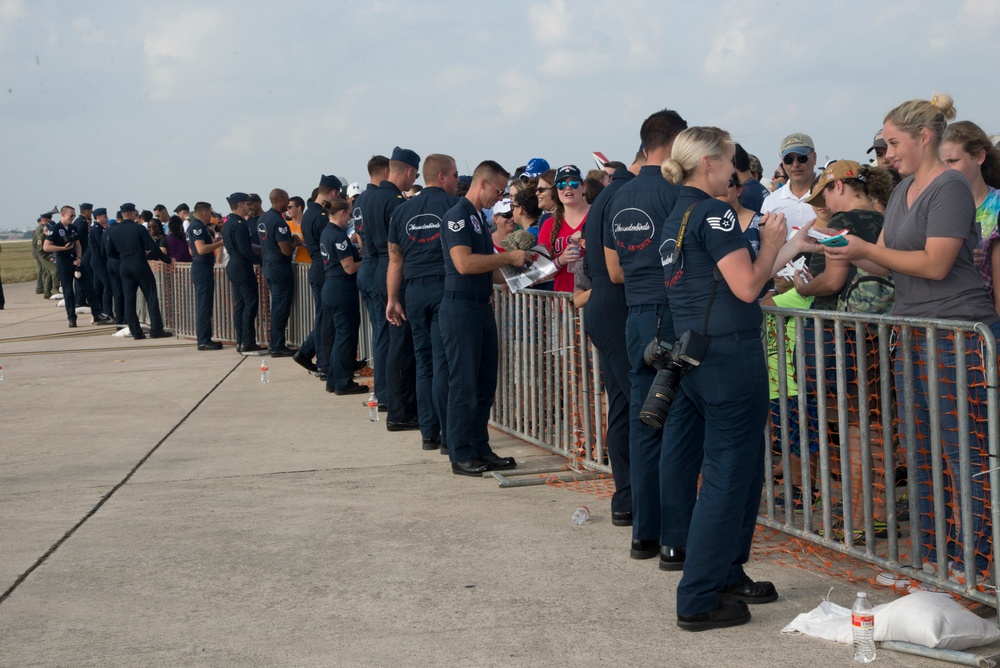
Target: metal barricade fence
<point>927,389</point>
<point>173,282</point>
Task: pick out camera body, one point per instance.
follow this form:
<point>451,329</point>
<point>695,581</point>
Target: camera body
<point>671,363</point>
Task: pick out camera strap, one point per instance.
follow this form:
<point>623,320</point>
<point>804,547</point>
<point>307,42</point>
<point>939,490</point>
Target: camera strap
<point>675,255</point>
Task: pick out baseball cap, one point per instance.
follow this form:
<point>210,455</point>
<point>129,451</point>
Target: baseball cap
<point>838,170</point>
<point>877,142</point>
<point>354,189</point>
<point>535,168</point>
<point>568,172</point>
<point>796,143</point>
<point>506,205</point>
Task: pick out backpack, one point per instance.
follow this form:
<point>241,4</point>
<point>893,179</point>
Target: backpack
<point>866,292</point>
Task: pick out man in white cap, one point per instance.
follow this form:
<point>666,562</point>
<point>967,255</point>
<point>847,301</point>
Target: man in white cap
<point>798,155</point>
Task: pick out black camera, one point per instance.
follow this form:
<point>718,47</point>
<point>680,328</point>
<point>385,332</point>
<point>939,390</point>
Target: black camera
<point>671,363</point>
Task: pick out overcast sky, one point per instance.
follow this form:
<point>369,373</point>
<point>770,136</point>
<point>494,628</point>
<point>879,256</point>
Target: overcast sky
<point>111,101</point>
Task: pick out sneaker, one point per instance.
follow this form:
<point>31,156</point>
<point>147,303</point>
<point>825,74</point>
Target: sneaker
<point>797,504</point>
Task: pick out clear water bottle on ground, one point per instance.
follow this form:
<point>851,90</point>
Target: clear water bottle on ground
<point>372,408</point>
<point>581,515</point>
<point>863,625</point>
<point>265,374</point>
<point>1,372</point>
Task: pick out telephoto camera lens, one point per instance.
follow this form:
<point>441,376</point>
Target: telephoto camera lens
<point>661,395</point>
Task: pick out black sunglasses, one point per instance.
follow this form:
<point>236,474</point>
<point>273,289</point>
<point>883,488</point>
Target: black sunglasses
<point>792,157</point>
<point>734,182</point>
<point>508,215</point>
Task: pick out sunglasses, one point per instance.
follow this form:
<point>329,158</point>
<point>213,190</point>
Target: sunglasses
<point>734,182</point>
<point>572,185</point>
<point>792,157</point>
<point>542,190</point>
<point>508,215</point>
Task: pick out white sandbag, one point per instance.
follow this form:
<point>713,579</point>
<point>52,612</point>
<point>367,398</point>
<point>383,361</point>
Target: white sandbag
<point>922,618</point>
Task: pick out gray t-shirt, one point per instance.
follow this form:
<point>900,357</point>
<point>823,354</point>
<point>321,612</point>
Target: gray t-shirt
<point>945,209</point>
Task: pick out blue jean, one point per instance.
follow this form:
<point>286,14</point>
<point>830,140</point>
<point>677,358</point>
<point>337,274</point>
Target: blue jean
<point>950,424</point>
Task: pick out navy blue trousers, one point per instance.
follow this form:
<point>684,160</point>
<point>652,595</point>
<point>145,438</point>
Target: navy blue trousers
<point>66,269</point>
<point>117,293</point>
<point>101,284</point>
<point>136,275</point>
<point>281,283</point>
<point>728,453</point>
<point>380,333</point>
<point>342,305</point>
<point>319,341</point>
<point>203,277</point>
<point>246,300</point>
<point>604,321</point>
<point>469,332</point>
<point>423,302</point>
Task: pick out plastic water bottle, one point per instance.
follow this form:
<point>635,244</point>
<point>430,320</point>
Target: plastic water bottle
<point>265,374</point>
<point>1,372</point>
<point>581,515</point>
<point>372,408</point>
<point>863,625</point>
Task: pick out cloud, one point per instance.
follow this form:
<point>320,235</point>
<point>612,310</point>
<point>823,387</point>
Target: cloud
<point>729,52</point>
<point>181,55</point>
<point>11,11</point>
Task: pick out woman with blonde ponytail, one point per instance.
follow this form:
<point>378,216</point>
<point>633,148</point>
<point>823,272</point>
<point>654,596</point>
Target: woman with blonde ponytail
<point>927,244</point>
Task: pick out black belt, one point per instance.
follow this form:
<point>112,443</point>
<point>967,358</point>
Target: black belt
<point>743,335</point>
<point>466,297</point>
<point>419,280</point>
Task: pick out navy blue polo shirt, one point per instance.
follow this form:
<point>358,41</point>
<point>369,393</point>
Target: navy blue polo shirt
<point>238,240</point>
<point>462,225</point>
<point>132,241</point>
<point>61,235</point>
<point>96,236</point>
<point>594,265</point>
<point>358,219</point>
<point>314,222</point>
<point>334,246</point>
<point>252,227</point>
<point>82,229</point>
<point>198,231</point>
<point>416,226</point>
<point>273,228</point>
<point>376,210</point>
<point>633,221</point>
<point>753,195</point>
<point>713,232</point>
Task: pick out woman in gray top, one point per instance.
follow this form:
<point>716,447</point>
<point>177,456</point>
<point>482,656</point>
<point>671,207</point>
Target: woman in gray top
<point>927,243</point>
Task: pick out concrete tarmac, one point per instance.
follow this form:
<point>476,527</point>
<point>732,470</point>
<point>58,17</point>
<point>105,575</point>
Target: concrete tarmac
<point>160,506</point>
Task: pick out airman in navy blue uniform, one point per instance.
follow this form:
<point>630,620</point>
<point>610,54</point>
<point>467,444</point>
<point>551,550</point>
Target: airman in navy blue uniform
<point>256,211</point>
<point>416,260</point>
<point>99,264</point>
<point>378,171</point>
<point>237,239</point>
<point>314,223</point>
<point>468,326</point>
<point>341,261</point>
<point>131,242</point>
<point>203,242</point>
<point>632,239</point>
<point>713,280</point>
<point>277,244</point>
<point>114,273</point>
<point>61,239</point>
<point>86,295</point>
<point>400,365</point>
<point>604,320</point>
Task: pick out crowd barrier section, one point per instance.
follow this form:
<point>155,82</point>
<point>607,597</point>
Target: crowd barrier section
<point>173,282</point>
<point>870,415</point>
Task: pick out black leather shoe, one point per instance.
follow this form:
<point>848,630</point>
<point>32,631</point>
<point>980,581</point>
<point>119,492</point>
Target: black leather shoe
<point>621,519</point>
<point>212,345</point>
<point>101,319</point>
<point>304,363</point>
<point>430,444</point>
<point>161,334</point>
<point>354,388</point>
<point>139,337</point>
<point>750,592</point>
<point>401,426</point>
<point>729,613</point>
<point>471,467</point>
<point>250,349</point>
<point>644,549</point>
<point>443,449</point>
<point>239,348</point>
<point>498,463</point>
<point>282,352</point>
<point>72,322</point>
<point>360,364</point>
<point>671,558</point>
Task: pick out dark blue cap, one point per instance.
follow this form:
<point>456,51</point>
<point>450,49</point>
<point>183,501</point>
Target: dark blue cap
<point>236,198</point>
<point>47,215</point>
<point>85,206</point>
<point>568,172</point>
<point>466,179</point>
<point>407,156</point>
<point>330,181</point>
<point>100,212</point>
<point>126,207</point>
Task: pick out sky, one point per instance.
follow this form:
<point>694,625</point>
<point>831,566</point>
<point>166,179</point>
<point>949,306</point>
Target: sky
<point>112,101</point>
